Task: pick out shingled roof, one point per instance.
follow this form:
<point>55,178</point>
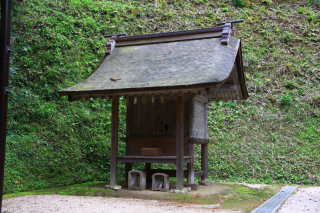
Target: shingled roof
<point>185,61</point>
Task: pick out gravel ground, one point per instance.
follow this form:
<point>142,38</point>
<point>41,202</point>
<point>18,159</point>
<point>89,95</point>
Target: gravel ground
<point>78,204</point>
<point>303,200</point>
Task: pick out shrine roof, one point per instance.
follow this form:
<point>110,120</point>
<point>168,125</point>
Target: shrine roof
<point>161,62</point>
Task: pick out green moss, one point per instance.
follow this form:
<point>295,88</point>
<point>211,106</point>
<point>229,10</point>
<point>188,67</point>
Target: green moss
<point>245,198</point>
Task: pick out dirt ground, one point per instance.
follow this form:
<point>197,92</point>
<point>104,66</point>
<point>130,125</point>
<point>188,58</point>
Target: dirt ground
<point>79,204</point>
<point>304,199</point>
<point>212,198</point>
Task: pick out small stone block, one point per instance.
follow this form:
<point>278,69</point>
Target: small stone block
<point>160,182</point>
<point>193,186</point>
<point>116,187</point>
<point>183,191</point>
<point>137,180</point>
<point>206,183</point>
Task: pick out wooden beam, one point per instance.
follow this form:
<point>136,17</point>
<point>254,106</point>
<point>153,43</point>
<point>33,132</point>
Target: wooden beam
<point>204,161</point>
<point>169,34</point>
<point>183,37</point>
<point>179,141</point>
<point>181,88</point>
<point>151,159</point>
<point>114,140</point>
<point>199,173</point>
<point>170,172</point>
<point>198,140</point>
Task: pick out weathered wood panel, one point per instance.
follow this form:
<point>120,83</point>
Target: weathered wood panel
<point>168,149</point>
<point>155,151</point>
<point>199,117</point>
<point>151,159</point>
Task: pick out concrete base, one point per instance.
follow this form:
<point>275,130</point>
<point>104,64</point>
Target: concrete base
<point>206,183</point>
<point>183,191</point>
<point>116,187</point>
<point>193,186</point>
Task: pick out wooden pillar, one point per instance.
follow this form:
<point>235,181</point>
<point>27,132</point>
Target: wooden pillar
<point>180,141</point>
<point>128,168</point>
<point>114,140</point>
<point>204,161</point>
<point>148,166</point>
<point>190,165</point>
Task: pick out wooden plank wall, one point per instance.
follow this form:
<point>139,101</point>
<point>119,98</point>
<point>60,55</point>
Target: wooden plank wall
<point>168,145</point>
<point>153,125</point>
<point>155,119</point>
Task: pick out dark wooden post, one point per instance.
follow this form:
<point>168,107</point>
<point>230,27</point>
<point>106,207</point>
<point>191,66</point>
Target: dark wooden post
<point>4,83</point>
<point>148,166</point>
<point>179,141</point>
<point>191,164</point>
<point>204,161</point>
<point>114,140</point>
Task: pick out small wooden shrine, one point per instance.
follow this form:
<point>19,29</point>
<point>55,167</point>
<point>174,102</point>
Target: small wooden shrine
<point>167,79</point>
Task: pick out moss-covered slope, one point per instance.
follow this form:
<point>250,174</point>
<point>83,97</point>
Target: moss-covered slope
<point>273,136</point>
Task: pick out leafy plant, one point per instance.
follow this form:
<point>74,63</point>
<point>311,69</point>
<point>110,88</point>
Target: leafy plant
<point>288,36</point>
<point>239,3</point>
<point>267,2</point>
<point>285,99</point>
<point>290,85</point>
<point>225,9</point>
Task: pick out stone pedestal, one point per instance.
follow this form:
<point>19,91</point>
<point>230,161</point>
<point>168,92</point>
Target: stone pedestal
<point>136,180</point>
<point>160,182</point>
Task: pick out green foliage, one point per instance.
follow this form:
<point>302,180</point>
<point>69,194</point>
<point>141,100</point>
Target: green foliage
<point>272,99</point>
<point>285,99</point>
<point>301,9</point>
<point>267,2</point>
<point>316,99</point>
<point>225,9</point>
<point>301,91</point>
<point>288,36</point>
<point>290,85</point>
<point>56,44</point>
<point>314,2</point>
<point>239,3</point>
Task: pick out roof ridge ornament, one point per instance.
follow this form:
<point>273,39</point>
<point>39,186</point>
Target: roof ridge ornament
<point>226,34</point>
<point>112,42</point>
<point>111,45</point>
<point>227,30</point>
